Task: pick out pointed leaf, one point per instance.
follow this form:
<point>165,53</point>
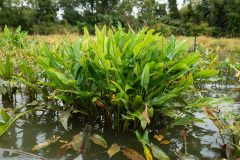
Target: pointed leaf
<point>145,76</point>
<point>145,115</point>
<point>132,154</point>
<point>165,142</point>
<point>45,144</point>
<point>4,127</point>
<point>99,140</point>
<point>64,118</point>
<point>113,150</point>
<point>5,115</point>
<point>159,137</point>
<point>80,142</point>
<point>158,153</point>
<point>147,153</point>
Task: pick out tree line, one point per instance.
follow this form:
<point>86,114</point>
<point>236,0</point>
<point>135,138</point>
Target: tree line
<point>205,17</point>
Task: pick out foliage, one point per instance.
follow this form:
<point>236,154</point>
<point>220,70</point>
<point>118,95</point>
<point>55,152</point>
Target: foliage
<point>12,38</point>
<point>125,79</point>
<point>227,121</point>
<point>8,117</point>
<point>147,146</point>
<point>126,76</point>
<point>6,68</point>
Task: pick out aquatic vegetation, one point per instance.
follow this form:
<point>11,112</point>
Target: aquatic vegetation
<point>6,68</point>
<point>226,119</point>
<point>151,150</point>
<point>13,38</point>
<point>124,76</point>
<point>123,80</point>
<point>8,117</point>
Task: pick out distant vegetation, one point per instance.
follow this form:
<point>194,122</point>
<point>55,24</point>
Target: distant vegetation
<point>204,17</point>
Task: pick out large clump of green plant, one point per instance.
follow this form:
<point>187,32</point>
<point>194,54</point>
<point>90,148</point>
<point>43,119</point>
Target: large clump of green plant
<point>127,78</point>
<point>13,38</point>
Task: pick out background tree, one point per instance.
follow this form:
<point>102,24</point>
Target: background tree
<point>208,17</point>
<point>173,10</point>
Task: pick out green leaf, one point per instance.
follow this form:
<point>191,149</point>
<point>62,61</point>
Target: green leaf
<point>139,136</point>
<point>138,48</point>
<point>186,120</point>
<point>33,103</point>
<point>179,66</point>
<point>145,76</point>
<point>158,153</point>
<point>162,99</point>
<point>5,115</point>
<point>206,73</point>
<point>143,139</point>
<point>3,90</point>
<point>4,127</point>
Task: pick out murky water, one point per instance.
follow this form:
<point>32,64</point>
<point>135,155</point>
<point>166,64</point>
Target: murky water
<point>203,141</point>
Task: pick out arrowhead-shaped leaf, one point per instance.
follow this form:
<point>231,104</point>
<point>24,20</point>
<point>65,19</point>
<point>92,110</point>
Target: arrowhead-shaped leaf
<point>64,118</point>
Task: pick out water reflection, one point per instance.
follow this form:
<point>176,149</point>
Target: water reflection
<point>204,140</point>
<point>35,129</point>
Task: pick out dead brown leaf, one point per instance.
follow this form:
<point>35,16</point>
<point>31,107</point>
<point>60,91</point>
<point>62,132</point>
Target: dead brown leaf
<point>47,143</point>
<point>132,154</point>
<point>145,114</point>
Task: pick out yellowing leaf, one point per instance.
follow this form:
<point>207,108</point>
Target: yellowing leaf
<point>237,74</point>
<point>147,153</point>
<point>77,141</point>
<point>63,141</point>
<point>159,137</point>
<point>132,154</point>
<point>64,118</point>
<point>99,140</point>
<point>100,104</point>
<point>113,150</point>
<point>45,144</point>
<point>214,119</point>
<point>165,142</point>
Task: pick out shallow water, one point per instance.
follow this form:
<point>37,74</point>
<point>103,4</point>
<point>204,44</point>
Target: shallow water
<point>203,141</point>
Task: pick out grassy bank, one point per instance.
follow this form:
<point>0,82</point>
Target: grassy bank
<point>225,47</point>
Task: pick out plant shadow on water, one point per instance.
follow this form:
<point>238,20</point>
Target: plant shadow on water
<point>203,140</point>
